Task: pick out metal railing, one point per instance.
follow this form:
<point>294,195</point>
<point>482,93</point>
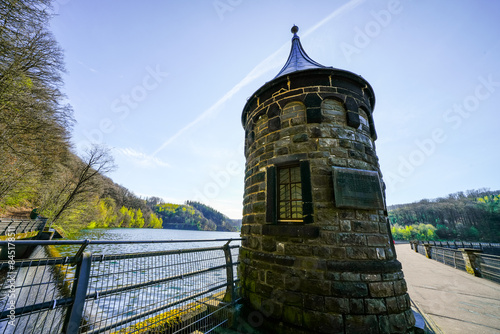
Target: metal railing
<point>421,249</point>
<point>16,226</point>
<point>462,244</point>
<point>489,266</point>
<point>171,291</point>
<point>469,259</point>
<point>448,256</point>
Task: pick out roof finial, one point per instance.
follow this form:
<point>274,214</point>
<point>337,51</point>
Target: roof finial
<point>298,59</point>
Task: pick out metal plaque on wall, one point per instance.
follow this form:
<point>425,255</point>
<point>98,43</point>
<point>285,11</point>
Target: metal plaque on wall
<point>357,188</point>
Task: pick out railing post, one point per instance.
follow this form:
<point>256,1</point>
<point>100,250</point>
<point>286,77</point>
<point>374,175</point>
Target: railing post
<point>428,248</point>
<point>75,312</point>
<point>42,224</point>
<point>17,226</point>
<point>7,228</point>
<point>469,255</point>
<point>229,296</point>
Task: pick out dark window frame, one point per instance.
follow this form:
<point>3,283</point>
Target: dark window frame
<point>272,196</point>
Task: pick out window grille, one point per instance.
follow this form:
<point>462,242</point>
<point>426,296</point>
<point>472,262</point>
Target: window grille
<point>290,193</point>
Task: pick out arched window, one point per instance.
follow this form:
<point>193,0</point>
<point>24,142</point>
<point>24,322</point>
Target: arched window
<point>293,113</point>
<point>364,128</point>
<point>334,111</point>
<point>363,120</point>
<point>249,139</point>
<point>260,125</point>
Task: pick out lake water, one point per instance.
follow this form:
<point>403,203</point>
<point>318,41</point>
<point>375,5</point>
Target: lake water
<point>117,273</point>
<point>144,234</point>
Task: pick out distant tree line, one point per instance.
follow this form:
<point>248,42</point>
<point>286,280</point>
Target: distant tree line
<point>470,216</point>
<point>193,216</point>
<point>108,215</point>
<point>223,222</point>
<point>424,232</point>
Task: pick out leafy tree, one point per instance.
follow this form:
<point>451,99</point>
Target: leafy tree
<point>490,203</point>
<point>155,222</point>
<point>139,220</point>
<point>411,232</point>
<point>106,215</point>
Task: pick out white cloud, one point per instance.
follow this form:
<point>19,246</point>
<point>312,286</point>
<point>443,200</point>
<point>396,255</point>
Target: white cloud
<point>88,67</point>
<point>142,159</point>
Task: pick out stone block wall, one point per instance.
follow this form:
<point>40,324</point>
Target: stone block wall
<point>336,272</point>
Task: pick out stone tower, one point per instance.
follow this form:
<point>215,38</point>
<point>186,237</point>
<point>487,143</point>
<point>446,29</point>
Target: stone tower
<point>318,255</point>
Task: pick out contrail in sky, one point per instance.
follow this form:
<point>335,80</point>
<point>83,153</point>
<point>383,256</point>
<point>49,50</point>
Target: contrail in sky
<point>263,67</point>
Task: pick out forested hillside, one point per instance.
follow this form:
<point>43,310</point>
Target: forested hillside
<point>38,168</point>
<point>194,216</point>
<point>472,216</point>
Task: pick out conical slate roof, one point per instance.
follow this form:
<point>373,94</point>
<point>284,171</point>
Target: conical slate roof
<point>298,59</point>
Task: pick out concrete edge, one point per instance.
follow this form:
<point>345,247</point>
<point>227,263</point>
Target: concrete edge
<point>429,323</point>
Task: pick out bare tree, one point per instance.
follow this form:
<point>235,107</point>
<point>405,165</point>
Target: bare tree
<point>85,181</point>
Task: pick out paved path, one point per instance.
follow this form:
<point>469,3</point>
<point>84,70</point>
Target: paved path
<point>454,300</point>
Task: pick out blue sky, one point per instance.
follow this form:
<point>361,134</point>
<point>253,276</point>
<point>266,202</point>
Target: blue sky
<point>163,84</point>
